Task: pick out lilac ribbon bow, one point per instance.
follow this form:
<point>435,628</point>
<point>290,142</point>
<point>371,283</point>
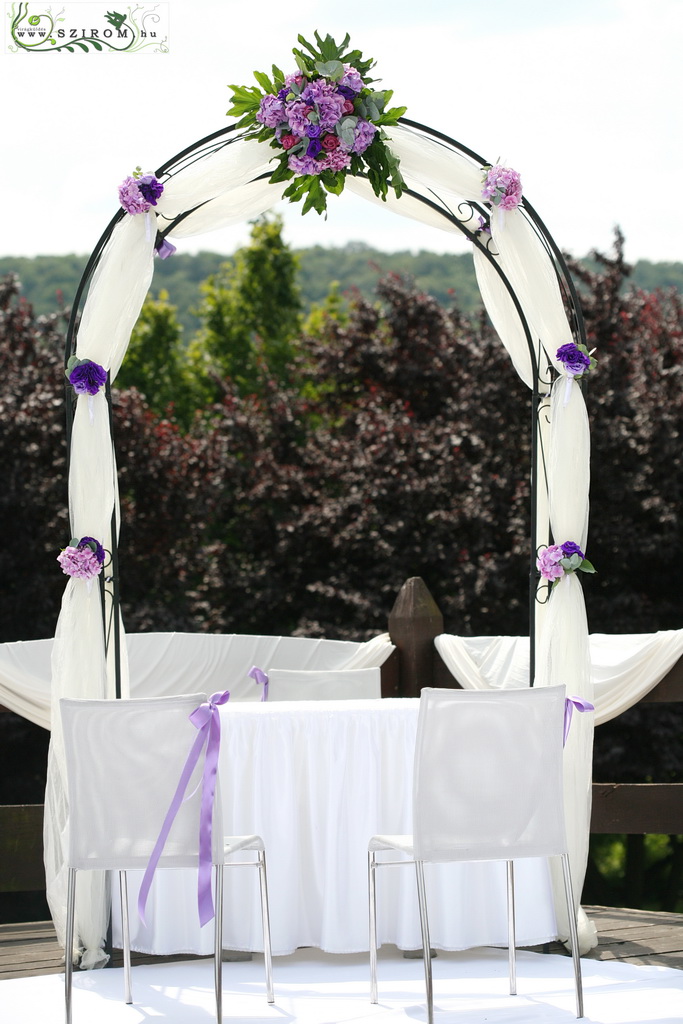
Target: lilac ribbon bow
<point>569,704</point>
<point>164,249</point>
<point>260,676</point>
<point>205,718</point>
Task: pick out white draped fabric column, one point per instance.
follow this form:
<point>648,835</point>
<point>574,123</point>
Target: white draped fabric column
<point>79,665</point>
<point>563,652</point>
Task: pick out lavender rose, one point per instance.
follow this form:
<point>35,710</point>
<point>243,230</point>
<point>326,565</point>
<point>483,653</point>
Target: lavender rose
<point>87,377</point>
<point>575,361</point>
<point>570,548</point>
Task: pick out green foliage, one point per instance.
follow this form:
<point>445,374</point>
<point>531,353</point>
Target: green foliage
<point>251,312</point>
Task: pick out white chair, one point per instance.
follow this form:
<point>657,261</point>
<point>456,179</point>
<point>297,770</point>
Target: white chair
<point>487,786</point>
<point>124,759</point>
<point>332,684</point>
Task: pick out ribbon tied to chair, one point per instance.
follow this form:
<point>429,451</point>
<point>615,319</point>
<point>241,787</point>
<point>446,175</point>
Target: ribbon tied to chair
<point>261,678</point>
<point>206,719</point>
<point>570,704</point>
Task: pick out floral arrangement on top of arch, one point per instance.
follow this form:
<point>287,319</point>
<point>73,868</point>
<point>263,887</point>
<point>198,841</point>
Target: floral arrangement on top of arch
<point>324,120</point>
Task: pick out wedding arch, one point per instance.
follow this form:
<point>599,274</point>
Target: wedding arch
<point>528,293</point>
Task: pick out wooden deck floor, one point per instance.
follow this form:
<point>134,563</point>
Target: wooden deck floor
<point>633,936</point>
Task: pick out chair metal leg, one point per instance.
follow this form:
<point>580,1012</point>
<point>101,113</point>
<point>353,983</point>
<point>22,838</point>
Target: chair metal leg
<point>512,939</point>
<point>265,915</point>
<point>573,933</point>
<point>372,907</point>
<point>125,927</point>
<point>69,943</point>
<point>218,942</point>
<point>426,947</point>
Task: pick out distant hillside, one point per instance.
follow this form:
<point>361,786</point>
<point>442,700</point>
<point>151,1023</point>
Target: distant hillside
<point>49,282</point>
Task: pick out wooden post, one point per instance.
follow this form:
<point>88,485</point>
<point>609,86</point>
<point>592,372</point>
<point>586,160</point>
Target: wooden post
<point>414,621</point>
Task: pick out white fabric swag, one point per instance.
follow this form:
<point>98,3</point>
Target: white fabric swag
<point>218,185</point>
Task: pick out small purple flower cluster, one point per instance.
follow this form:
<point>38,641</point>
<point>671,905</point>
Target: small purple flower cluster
<point>87,377</point>
<point>83,559</point>
<point>549,562</point>
<point>574,361</point>
<point>502,187</point>
<point>315,121</point>
<point>139,192</point>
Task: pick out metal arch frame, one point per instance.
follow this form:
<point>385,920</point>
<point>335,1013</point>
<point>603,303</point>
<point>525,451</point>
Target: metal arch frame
<point>229,136</point>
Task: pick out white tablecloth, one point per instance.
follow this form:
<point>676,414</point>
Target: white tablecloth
<point>316,780</point>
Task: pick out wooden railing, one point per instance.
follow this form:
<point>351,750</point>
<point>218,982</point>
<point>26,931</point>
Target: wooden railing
<point>414,622</point>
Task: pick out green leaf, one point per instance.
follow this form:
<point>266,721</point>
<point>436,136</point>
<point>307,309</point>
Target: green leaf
<point>587,566</point>
<point>333,69</point>
<point>264,82</point>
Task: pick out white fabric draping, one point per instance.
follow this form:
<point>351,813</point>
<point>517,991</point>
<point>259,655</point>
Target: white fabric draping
<point>213,187</point>
<point>79,666</point>
<point>163,664</point>
<point>562,647</point>
<point>624,667</point>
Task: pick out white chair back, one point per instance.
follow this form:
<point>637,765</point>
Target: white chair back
<point>124,759</point>
<point>488,774</point>
<point>343,684</point>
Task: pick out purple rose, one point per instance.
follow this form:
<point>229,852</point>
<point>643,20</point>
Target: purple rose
<point>87,377</point>
<point>574,361</point>
<point>570,548</point>
<point>313,131</point>
<point>97,549</point>
<point>150,188</point>
<point>314,147</point>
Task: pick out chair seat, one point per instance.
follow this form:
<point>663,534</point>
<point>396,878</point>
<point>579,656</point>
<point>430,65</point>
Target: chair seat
<point>404,844</point>
<point>235,843</point>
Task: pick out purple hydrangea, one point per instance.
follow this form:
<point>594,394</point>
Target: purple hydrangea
<point>570,548</point>
<point>150,188</point>
<point>304,164</point>
<point>98,549</point>
<point>351,79</point>
<point>328,101</point>
<point>297,114</point>
<point>502,187</point>
<point>364,134</point>
<point>574,361</point>
<point>271,111</point>
<point>548,563</point>
<point>131,198</point>
<point>81,562</point>
<point>87,377</point>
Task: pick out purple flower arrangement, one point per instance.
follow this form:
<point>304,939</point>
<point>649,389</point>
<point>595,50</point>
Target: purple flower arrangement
<point>557,560</point>
<point>324,120</point>
<point>139,192</point>
<point>576,359</point>
<point>85,376</point>
<point>83,559</point>
<point>502,187</point>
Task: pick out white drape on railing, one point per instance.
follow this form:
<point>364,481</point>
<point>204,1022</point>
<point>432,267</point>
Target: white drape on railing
<point>212,188</point>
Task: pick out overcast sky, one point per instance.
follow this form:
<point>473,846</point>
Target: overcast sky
<point>582,97</point>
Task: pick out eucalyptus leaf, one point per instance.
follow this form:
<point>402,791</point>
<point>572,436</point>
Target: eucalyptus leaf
<point>587,566</point>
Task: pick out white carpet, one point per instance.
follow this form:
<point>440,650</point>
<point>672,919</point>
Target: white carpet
<point>316,988</point>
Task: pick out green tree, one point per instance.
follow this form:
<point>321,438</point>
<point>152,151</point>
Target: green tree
<point>251,312</point>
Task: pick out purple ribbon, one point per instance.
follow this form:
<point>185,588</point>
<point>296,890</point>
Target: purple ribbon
<point>165,249</point>
<point>569,704</point>
<point>205,718</point>
<point>261,678</point>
